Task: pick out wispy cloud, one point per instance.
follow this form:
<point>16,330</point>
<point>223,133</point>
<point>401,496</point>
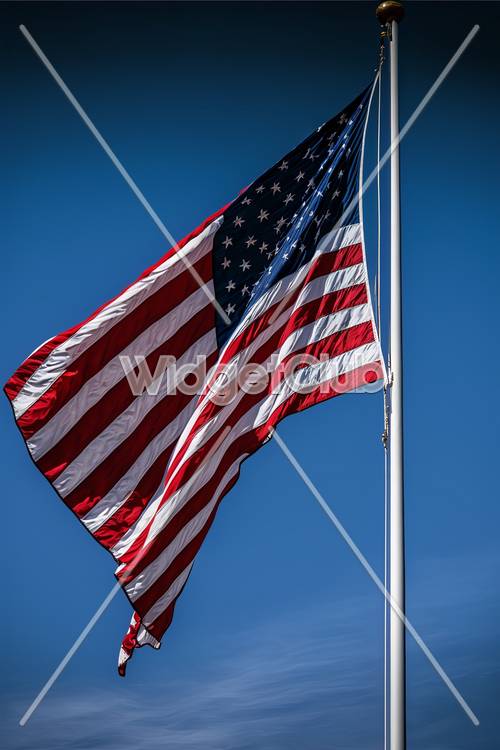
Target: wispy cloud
<point>309,681</point>
<point>280,689</point>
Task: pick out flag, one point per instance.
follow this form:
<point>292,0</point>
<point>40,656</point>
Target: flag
<point>141,416</point>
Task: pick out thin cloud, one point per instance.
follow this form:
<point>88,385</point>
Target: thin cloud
<point>312,680</point>
<point>276,691</point>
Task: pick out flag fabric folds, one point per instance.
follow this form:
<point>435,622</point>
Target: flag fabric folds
<point>141,416</point>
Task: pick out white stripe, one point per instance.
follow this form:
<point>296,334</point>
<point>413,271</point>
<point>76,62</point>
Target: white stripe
<point>115,433</point>
<point>309,334</point>
<point>152,572</point>
<point>119,494</point>
<point>315,289</point>
<point>168,597</point>
<point>167,510</point>
<point>351,316</point>
<point>143,638</point>
<point>323,327</point>
<point>350,360</point>
<point>96,387</point>
<point>123,657</point>
<point>331,242</point>
<point>255,417</point>
<point>64,354</point>
<point>259,414</point>
<point>323,372</point>
<point>135,530</point>
<point>178,499</point>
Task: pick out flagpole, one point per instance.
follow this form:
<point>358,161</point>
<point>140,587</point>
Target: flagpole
<point>390,13</point>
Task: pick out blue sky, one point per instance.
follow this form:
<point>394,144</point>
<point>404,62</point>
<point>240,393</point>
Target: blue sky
<point>277,640</point>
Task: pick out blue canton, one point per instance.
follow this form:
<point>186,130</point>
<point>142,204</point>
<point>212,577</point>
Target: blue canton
<point>273,228</point>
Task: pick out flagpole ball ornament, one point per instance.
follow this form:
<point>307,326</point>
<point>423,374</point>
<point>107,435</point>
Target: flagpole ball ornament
<point>389,11</point>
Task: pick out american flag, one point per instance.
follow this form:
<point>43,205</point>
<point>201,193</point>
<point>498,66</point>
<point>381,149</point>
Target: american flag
<point>144,471</point>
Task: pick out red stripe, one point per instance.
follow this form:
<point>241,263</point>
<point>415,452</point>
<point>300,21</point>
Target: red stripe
<point>126,516</point>
<point>335,344</point>
<point>188,553</point>
<point>31,364</point>
<point>104,477</point>
<point>324,265</point>
<point>108,346</point>
<point>247,444</point>
<point>111,469</point>
<point>307,313</point>
<point>98,417</point>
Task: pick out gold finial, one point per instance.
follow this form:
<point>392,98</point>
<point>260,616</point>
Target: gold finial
<point>389,11</point>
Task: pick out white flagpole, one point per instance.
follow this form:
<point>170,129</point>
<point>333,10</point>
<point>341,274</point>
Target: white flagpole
<point>390,14</point>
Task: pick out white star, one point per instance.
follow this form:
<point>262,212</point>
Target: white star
<point>269,255</point>
<point>285,255</point>
<point>312,157</point>
<point>276,188</point>
<point>245,290</point>
<point>279,224</point>
<point>341,173</point>
<point>246,201</point>
<point>225,263</point>
<point>283,165</point>
<point>263,247</point>
<point>244,265</point>
<point>260,189</point>
<point>263,215</point>
<point>238,222</point>
<point>302,247</point>
<point>300,176</point>
<point>269,270</point>
<point>231,285</point>
<point>288,198</point>
<point>230,309</point>
<point>342,119</point>
<point>311,184</point>
<point>228,241</point>
<point>336,194</point>
<point>251,241</point>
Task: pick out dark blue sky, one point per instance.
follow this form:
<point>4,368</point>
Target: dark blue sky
<point>277,640</point>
